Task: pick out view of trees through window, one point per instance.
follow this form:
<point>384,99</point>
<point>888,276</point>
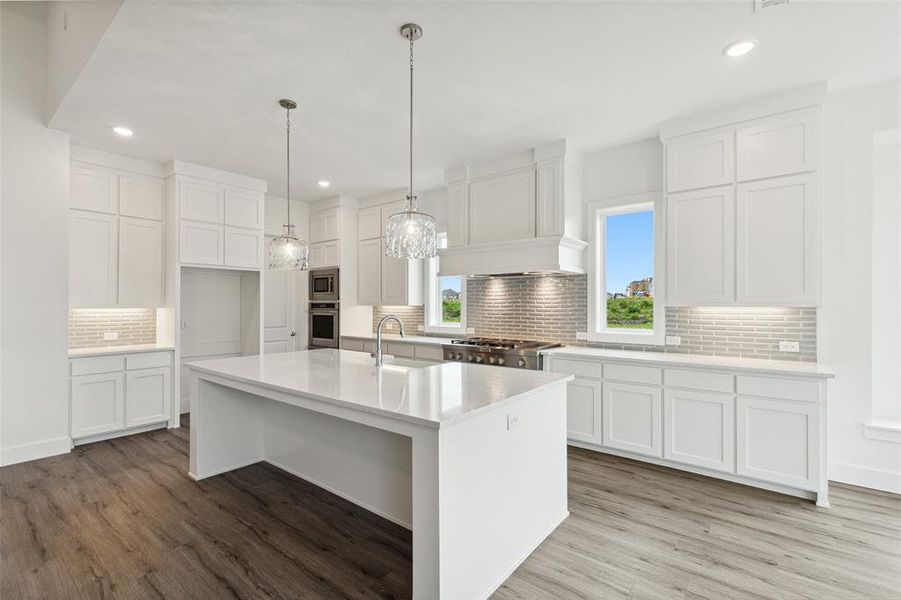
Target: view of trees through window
<point>629,270</point>
<point>450,288</point>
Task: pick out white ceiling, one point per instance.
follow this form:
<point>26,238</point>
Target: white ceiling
<point>200,80</point>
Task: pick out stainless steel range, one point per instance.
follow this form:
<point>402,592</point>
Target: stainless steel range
<point>521,354</point>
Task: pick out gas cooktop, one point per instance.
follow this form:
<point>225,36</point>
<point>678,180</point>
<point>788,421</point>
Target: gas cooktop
<point>523,354</point>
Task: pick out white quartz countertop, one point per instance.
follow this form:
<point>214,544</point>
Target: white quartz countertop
<point>725,363</point>
<point>409,339</point>
<point>102,350</point>
<point>433,394</point>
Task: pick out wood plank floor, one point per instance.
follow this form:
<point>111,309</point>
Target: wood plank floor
<point>121,519</point>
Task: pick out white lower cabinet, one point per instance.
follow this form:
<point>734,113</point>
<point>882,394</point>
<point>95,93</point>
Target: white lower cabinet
<point>583,411</point>
<point>148,393</point>
<point>132,393</point>
<point>632,418</point>
<point>778,441</point>
<point>698,429</point>
<point>97,404</point>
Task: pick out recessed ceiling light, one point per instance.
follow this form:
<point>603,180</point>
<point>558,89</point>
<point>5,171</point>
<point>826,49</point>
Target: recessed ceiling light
<point>323,183</point>
<point>736,49</point>
<point>123,131</point>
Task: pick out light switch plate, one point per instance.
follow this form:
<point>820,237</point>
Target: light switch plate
<point>110,335</point>
<point>420,328</point>
<point>512,421</point>
<point>581,335</point>
<point>789,347</point>
<point>673,340</point>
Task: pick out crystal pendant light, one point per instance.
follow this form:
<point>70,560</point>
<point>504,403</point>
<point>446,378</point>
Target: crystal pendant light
<point>411,233</point>
<point>287,251</point>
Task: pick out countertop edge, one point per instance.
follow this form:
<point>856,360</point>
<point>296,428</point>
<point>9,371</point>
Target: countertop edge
<point>110,350</point>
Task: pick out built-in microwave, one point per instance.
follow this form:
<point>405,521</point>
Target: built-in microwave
<point>324,285</point>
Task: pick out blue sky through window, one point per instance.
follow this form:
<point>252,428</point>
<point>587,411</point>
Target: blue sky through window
<point>630,249</point>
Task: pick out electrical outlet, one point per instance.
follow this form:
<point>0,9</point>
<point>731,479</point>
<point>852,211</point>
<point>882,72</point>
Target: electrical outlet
<point>789,347</point>
<point>673,340</point>
<point>470,330</point>
<point>512,421</point>
<point>581,335</point>
<point>420,328</point>
<point>110,335</point>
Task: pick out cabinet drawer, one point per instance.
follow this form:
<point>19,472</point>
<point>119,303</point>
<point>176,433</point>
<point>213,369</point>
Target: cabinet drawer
<point>147,360</point>
<point>769,387</point>
<point>429,352</point>
<point>97,364</point>
<point>579,368</point>
<point>396,349</point>
<point>353,345</point>
<point>698,380</point>
<point>632,373</point>
<point>369,346</point>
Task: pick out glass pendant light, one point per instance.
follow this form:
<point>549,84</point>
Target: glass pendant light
<point>411,233</point>
<point>287,251</point>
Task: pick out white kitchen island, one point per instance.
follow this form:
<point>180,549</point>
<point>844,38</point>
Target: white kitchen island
<point>472,458</point>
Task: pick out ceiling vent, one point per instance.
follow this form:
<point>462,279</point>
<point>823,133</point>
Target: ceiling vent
<point>760,5</point>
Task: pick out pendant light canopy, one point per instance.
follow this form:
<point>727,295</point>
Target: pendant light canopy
<point>287,251</point>
<point>411,233</point>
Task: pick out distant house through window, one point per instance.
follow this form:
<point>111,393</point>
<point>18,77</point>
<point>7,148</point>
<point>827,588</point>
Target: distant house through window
<point>445,298</point>
<point>625,257</point>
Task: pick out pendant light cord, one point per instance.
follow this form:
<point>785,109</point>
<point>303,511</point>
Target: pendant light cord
<point>288,164</point>
<point>411,124</point>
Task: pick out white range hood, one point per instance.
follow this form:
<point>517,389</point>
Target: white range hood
<point>521,215</point>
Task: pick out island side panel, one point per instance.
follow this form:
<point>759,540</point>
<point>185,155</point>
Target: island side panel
<point>226,428</point>
<point>428,561</point>
<point>503,490</point>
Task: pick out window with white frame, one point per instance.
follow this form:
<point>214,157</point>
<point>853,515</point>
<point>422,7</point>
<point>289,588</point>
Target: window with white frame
<point>445,298</point>
<point>625,270</point>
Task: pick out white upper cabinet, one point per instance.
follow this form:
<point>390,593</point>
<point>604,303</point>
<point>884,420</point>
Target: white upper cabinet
<point>401,280</point>
<point>369,222</point>
<point>93,259</point>
<point>325,225</point>
<point>369,262</point>
<point>140,262</point>
<point>141,197</point>
<point>201,243</point>
<point>775,241</point>
<point>700,242</point>
<point>778,145</point>
<point>202,201</point>
<point>243,248</point>
<point>94,189</point>
<point>244,208</point>
<point>502,207</point>
<point>700,160</point>
<point>325,254</point>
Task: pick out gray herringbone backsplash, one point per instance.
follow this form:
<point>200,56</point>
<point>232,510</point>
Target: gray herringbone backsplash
<point>134,325</point>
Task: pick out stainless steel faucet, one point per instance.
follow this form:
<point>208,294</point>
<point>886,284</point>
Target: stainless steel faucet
<point>378,336</point>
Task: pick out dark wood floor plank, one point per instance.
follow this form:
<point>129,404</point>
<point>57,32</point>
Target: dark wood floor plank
<point>121,519</point>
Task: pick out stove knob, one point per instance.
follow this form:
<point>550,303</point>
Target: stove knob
<point>490,360</point>
<point>500,361</point>
<point>521,362</point>
<point>470,358</point>
<point>479,359</point>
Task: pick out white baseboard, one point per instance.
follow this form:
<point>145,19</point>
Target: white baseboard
<point>26,452</point>
<point>886,481</point>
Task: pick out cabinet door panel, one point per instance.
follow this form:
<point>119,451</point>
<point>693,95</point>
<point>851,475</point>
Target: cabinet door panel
<point>700,160</point>
<point>97,404</point>
<point>93,189</point>
<point>243,247</point>
<point>202,202</point>
<point>325,254</point>
<point>777,146</point>
<point>201,243</point>
<point>549,198</point>
<point>632,418</point>
<point>699,429</point>
<point>370,271</point>
<point>244,209</point>
<point>502,207</point>
<point>93,259</point>
<point>147,396</point>
<point>141,197</point>
<point>325,225</point>
<point>369,223</point>
<point>140,262</point>
<point>775,240</point>
<point>778,441</point>
<point>700,246</point>
<point>584,410</point>
<point>394,279</point>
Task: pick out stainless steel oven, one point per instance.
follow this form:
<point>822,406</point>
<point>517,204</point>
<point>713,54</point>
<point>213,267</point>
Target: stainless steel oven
<point>324,285</point>
<point>325,324</point>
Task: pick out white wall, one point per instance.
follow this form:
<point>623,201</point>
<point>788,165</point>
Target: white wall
<point>34,244</point>
<point>844,320</point>
<point>623,171</point>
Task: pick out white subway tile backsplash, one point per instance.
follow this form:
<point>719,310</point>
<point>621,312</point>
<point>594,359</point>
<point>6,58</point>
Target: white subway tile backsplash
<point>134,326</point>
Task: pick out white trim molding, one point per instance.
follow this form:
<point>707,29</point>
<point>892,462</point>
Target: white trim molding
<point>877,479</point>
<point>26,452</point>
<point>885,431</point>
